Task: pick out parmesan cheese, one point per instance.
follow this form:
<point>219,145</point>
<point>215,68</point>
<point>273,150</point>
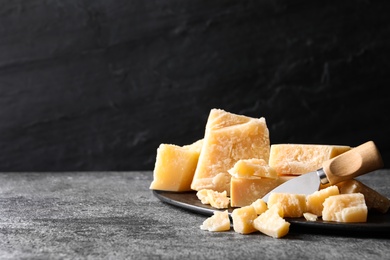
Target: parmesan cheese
<point>228,138</point>
<point>345,208</point>
<point>315,200</point>
<point>298,159</point>
<point>244,191</point>
<point>271,222</point>
<point>174,167</point>
<point>218,222</point>
<point>218,200</point>
<point>374,200</point>
<point>243,219</point>
<point>294,205</point>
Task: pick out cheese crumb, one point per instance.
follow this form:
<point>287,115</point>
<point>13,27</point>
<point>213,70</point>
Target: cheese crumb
<point>218,222</point>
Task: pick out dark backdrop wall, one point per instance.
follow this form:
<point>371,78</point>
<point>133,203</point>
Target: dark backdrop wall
<point>98,85</point>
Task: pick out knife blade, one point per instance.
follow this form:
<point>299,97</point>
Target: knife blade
<point>360,160</point>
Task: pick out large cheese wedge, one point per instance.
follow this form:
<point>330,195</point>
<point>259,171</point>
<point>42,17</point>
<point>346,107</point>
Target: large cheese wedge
<point>294,205</point>
<point>243,218</point>
<point>218,222</point>
<point>315,200</point>
<point>244,191</point>
<point>297,159</point>
<point>272,223</point>
<point>175,167</point>
<point>228,138</point>
<point>345,208</point>
<point>374,200</point>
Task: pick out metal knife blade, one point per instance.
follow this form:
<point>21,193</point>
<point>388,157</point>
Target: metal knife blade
<point>304,184</point>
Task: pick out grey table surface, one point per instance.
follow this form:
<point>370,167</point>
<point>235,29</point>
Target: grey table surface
<point>114,215</point>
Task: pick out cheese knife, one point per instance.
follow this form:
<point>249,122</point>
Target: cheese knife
<point>360,160</point>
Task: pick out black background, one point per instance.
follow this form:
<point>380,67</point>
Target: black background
<point>98,85</point>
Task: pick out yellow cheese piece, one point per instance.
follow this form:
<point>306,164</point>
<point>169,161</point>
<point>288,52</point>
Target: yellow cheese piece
<point>216,199</point>
<point>294,205</point>
<point>174,167</point>
<point>272,223</point>
<point>310,216</point>
<point>374,200</point>
<point>244,191</point>
<point>228,138</point>
<point>315,200</point>
<point>297,159</point>
<point>252,168</point>
<point>345,208</point>
<point>243,218</point>
<point>219,221</point>
<point>260,206</point>
<point>196,146</point>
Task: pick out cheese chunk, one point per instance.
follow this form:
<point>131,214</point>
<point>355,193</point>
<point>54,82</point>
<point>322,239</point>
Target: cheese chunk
<point>374,200</point>
<point>252,168</point>
<point>297,159</point>
<point>310,216</point>
<point>345,208</point>
<point>174,167</point>
<point>260,206</point>
<point>294,205</point>
<point>272,223</point>
<point>243,219</point>
<point>219,221</point>
<point>228,138</point>
<point>216,199</point>
<point>315,200</point>
<point>244,191</point>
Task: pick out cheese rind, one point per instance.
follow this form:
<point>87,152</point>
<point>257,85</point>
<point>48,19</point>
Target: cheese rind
<point>271,222</point>
<point>298,159</point>
<point>294,205</point>
<point>244,191</point>
<point>174,167</point>
<point>315,200</point>
<point>374,200</point>
<point>218,222</point>
<point>345,208</point>
<point>228,138</point>
<point>243,218</point>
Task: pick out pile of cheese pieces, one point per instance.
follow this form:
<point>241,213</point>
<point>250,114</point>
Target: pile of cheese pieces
<point>235,165</point>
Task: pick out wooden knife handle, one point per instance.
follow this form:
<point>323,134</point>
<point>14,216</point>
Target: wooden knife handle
<point>362,159</point>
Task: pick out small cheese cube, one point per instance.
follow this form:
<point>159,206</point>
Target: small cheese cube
<point>219,221</point>
<point>297,159</point>
<point>174,167</point>
<point>243,219</point>
<point>260,206</point>
<point>244,191</point>
<point>345,208</point>
<point>315,200</point>
<point>216,199</point>
<point>228,138</point>
<point>271,222</point>
<point>310,216</point>
<point>252,168</point>
<point>294,205</point>
<point>374,200</point>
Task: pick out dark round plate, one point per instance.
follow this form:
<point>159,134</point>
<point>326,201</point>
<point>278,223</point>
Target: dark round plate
<point>376,222</point>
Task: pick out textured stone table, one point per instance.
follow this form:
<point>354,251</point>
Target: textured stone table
<point>114,215</point>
